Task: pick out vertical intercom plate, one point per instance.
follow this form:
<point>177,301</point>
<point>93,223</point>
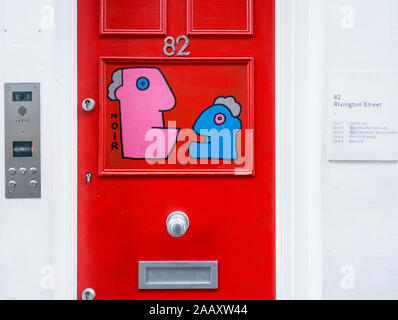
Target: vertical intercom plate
<point>22,140</point>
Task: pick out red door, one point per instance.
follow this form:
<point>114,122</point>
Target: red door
<point>176,161</point>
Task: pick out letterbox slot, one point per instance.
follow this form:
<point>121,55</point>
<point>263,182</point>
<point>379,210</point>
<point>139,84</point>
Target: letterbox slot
<point>178,275</point>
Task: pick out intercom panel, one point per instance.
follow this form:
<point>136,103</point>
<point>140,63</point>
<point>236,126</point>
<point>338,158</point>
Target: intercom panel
<point>22,140</point>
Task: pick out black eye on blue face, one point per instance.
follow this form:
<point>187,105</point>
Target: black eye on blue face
<point>142,83</point>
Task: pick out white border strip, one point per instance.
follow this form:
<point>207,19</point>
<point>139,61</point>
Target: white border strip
<point>284,104</point>
<point>299,88</point>
<point>65,258</point>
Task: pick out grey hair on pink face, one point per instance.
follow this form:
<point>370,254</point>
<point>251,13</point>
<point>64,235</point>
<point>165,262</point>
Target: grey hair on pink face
<point>117,82</point>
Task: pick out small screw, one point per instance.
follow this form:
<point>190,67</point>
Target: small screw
<point>88,294</point>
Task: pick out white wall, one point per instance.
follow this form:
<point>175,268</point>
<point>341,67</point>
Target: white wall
<point>37,237</point>
<point>345,214</point>
<point>360,200</point>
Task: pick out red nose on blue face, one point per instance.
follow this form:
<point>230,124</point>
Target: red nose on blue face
<point>221,128</point>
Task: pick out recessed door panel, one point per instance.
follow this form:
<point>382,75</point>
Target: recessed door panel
<point>195,86</point>
<point>227,17</point>
<point>130,17</point>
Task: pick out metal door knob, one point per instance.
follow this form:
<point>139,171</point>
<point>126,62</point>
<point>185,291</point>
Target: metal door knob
<point>177,224</point>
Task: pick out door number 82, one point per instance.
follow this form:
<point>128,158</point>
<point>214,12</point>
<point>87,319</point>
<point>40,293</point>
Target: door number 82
<point>169,48</point>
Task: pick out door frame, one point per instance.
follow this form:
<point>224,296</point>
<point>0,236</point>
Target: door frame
<point>65,234</point>
<point>292,275</point>
<point>298,150</point>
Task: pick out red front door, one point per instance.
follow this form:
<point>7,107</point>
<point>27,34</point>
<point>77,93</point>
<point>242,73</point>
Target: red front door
<point>183,124</point>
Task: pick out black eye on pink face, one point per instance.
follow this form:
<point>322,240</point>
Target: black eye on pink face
<point>219,118</point>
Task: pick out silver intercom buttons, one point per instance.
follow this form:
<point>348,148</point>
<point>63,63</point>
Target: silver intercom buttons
<point>22,140</point>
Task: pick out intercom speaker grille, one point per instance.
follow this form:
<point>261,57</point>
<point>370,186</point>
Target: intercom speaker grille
<point>22,111</point>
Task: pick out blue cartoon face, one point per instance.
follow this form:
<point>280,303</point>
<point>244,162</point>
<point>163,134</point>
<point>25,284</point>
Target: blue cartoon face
<point>220,125</point>
<point>217,117</point>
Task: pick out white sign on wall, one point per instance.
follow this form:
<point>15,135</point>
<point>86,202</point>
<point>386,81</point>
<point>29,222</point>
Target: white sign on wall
<point>363,116</point>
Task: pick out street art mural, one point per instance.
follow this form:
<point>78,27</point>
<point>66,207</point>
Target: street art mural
<point>176,117</point>
<point>144,95</point>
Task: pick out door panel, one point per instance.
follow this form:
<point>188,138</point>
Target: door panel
<point>133,17</point>
<point>195,83</point>
<point>220,17</point>
<point>176,133</point>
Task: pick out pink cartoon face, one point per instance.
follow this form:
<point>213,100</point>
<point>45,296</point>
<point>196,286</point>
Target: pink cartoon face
<point>148,87</point>
<point>144,94</point>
